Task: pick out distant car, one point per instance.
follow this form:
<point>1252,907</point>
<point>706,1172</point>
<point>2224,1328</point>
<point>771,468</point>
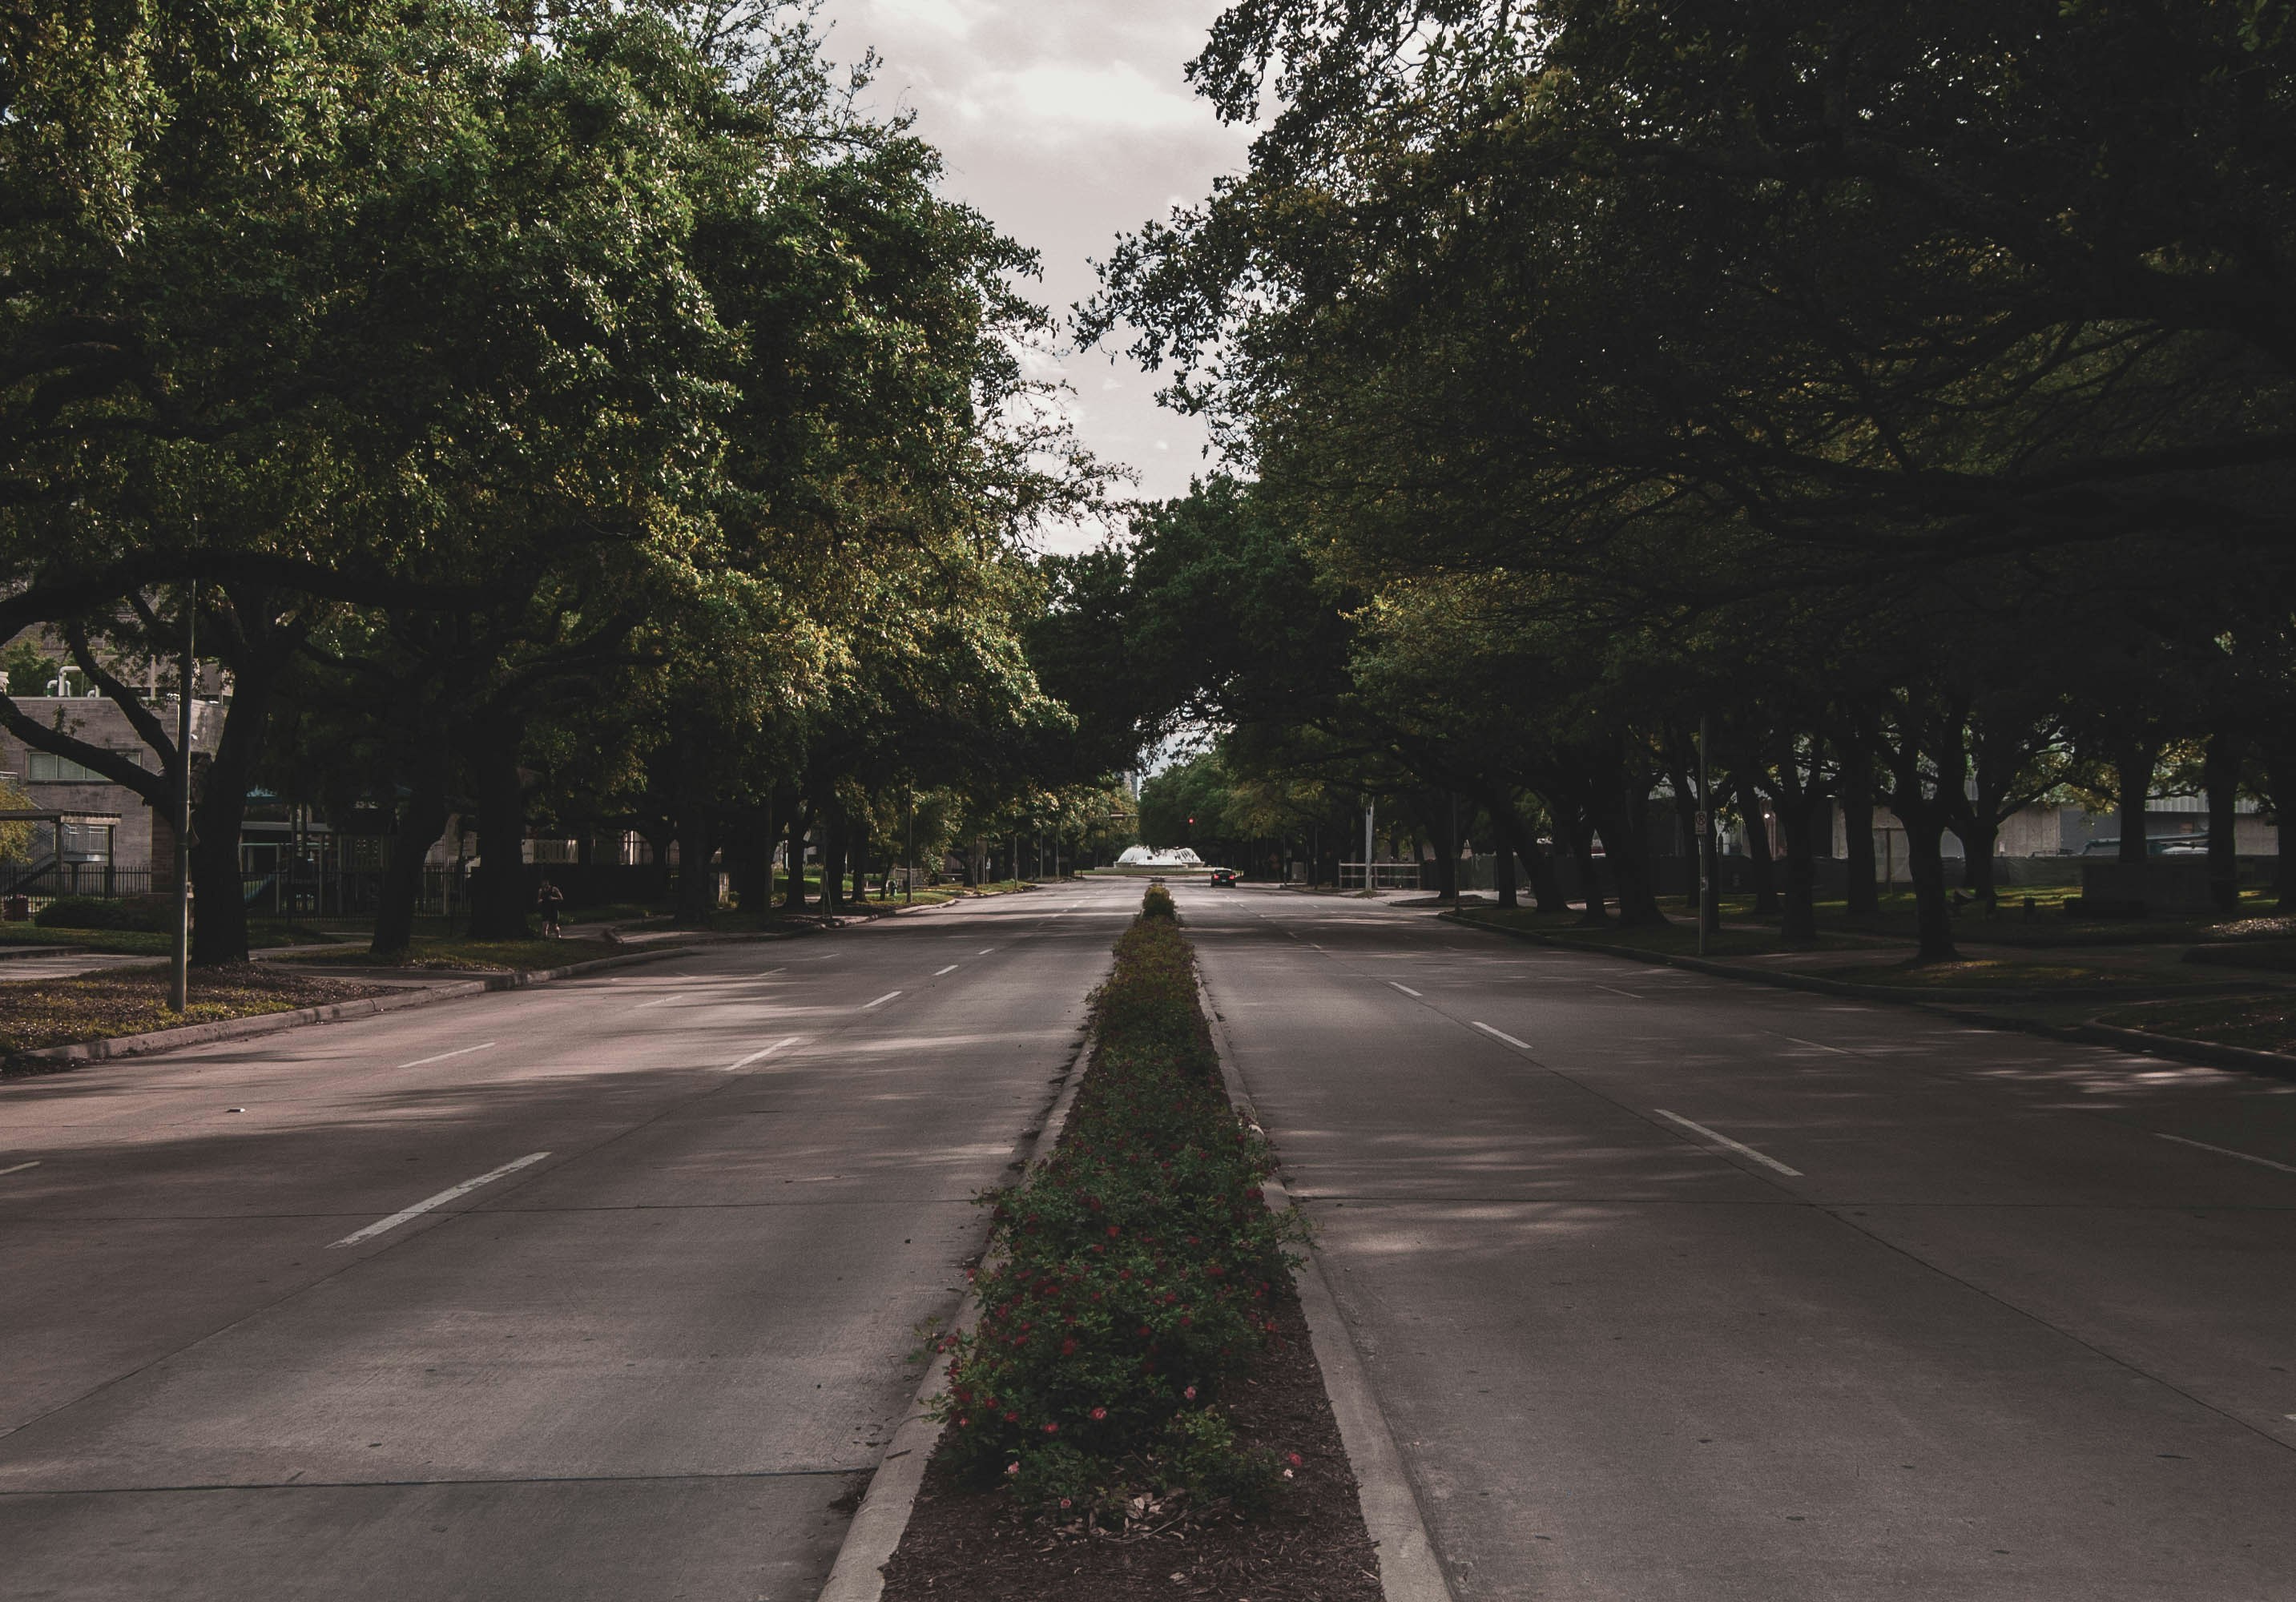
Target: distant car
<point>1223,876</point>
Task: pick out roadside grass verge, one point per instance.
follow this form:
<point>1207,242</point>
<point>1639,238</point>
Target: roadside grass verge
<point>2259,1023</point>
<point>1678,939</point>
<point>1993,973</point>
<point>133,1000</point>
<point>1138,1412</point>
<point>484,956</point>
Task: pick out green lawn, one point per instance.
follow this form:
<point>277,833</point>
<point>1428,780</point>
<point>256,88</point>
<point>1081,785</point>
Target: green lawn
<point>133,1000</point>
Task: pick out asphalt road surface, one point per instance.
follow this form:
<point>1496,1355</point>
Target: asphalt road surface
<point>1675,1287</point>
<point>642,1358</point>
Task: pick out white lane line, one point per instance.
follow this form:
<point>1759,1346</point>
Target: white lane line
<point>1615,991</point>
<point>984,950</point>
<point>1406,990</point>
<point>949,969</point>
<point>1820,1044</point>
<point>761,1056</point>
<point>881,1001</point>
<point>440,1200</point>
<point>2220,1151</point>
<point>1519,1045</point>
<point>658,1001</point>
<point>19,1167</point>
<point>443,1056</point>
<point>1743,1150</point>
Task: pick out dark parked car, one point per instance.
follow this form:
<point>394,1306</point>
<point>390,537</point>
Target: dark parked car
<point>1223,876</point>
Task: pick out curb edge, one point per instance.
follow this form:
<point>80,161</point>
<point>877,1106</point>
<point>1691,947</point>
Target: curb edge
<point>1409,1571</point>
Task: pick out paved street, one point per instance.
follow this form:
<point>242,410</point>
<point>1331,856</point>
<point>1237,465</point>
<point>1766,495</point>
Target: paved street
<point>1961,1314</point>
<point>1674,1289</point>
<point>645,1362</point>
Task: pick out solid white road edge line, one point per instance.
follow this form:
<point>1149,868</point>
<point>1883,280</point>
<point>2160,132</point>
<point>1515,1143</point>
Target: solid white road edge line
<point>2179,1139</point>
<point>881,1001</point>
<point>1519,1045</point>
<point>1722,1139</point>
<point>949,969</point>
<point>443,1056</point>
<point>19,1167</point>
<point>1406,989</point>
<point>1820,1044</point>
<point>1408,1569</point>
<point>440,1200</point>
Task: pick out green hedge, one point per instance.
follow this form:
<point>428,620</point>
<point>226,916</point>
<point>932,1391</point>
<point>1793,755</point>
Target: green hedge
<point>1133,1270</point>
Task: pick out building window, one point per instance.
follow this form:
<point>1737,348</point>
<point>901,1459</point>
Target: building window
<point>45,766</point>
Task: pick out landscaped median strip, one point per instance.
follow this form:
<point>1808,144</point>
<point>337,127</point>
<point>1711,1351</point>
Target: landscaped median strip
<point>1138,1405</point>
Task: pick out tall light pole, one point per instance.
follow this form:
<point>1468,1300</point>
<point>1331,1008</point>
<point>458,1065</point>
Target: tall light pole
<point>1709,905</point>
<point>1370,809</point>
<point>179,970</point>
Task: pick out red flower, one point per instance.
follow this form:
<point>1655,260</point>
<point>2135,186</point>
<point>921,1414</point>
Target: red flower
<point>1295,1460</point>
<point>1100,1412</point>
<point>1052,1429</point>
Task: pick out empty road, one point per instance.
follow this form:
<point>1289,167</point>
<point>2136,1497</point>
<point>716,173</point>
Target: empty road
<point>1675,1287</point>
<point>643,1356</point>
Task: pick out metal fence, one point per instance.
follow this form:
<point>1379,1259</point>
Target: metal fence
<point>1385,876</point>
<point>102,880</point>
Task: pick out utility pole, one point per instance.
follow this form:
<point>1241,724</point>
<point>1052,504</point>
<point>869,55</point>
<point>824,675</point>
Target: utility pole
<point>179,970</point>
<point>1370,809</point>
<point>909,849</point>
<point>1709,905</point>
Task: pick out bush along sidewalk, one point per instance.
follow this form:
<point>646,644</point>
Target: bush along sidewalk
<point>1138,1413</point>
<point>1132,1275</point>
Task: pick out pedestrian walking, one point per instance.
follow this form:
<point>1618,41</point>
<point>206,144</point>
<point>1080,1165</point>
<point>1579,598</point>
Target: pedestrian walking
<point>549,898</point>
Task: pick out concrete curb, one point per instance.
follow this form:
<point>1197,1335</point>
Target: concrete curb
<point>2177,1049</point>
<point>273,1023</point>
<point>882,1518</point>
<point>1408,1568</point>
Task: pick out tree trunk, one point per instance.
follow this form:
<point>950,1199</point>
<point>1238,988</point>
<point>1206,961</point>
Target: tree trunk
<point>1798,905</point>
<point>499,899</point>
<point>1932,902</point>
<point>1625,846</point>
<point>1502,875</point>
<point>219,922</point>
<point>800,822</point>
<point>697,876</point>
<point>832,856</point>
<point>2280,773</point>
<point>1685,816</point>
<point>422,820</point>
<point>1981,836</point>
<point>1590,879</point>
<point>1861,897</point>
<point>857,853</point>
<point>1759,859</point>
<point>2221,772</point>
<point>1441,828</point>
<point>2135,781</point>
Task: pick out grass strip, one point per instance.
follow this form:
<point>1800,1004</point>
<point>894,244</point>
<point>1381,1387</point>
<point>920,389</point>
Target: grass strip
<point>133,1000</point>
<point>1131,1271</point>
<point>470,956</point>
<point>1138,1412</point>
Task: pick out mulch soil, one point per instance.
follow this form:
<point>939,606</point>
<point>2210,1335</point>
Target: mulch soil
<point>1310,1547</point>
<point>133,1000</point>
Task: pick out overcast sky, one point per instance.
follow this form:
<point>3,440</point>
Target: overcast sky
<point>1067,122</point>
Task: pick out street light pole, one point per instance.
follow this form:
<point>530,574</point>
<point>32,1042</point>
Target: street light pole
<point>1710,907</point>
<point>179,970</point>
<point>1370,809</point>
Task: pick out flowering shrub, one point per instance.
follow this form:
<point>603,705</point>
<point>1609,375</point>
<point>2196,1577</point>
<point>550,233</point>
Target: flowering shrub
<point>1133,1269</point>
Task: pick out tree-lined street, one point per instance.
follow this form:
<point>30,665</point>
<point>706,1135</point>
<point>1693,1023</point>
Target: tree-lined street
<point>1668,1287</point>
